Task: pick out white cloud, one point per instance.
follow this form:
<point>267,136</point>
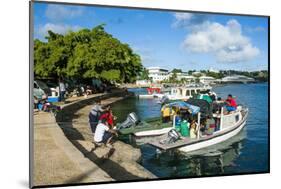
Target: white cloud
<point>255,29</point>
<point>188,20</point>
<point>226,42</point>
<point>183,16</point>
<point>56,28</point>
<point>147,55</point>
<point>61,12</point>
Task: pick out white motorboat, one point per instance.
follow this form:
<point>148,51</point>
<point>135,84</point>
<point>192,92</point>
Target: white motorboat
<point>178,92</point>
<point>230,125</point>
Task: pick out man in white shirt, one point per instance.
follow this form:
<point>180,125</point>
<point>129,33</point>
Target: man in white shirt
<point>62,90</point>
<point>103,134</point>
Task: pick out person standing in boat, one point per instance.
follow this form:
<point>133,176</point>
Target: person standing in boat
<point>166,113</point>
<point>210,125</point>
<point>94,115</point>
<point>218,104</point>
<point>193,129</point>
<point>231,103</point>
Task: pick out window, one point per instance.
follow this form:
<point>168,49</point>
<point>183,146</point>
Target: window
<point>193,92</point>
<point>187,92</point>
<point>237,118</point>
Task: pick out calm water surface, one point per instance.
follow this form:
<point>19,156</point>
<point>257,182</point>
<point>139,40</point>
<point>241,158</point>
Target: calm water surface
<point>245,153</point>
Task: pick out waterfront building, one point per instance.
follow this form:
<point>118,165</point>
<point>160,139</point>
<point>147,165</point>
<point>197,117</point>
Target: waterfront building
<point>213,70</point>
<point>237,79</point>
<point>186,76</point>
<point>143,82</point>
<point>157,74</point>
<point>196,73</point>
<point>207,80</point>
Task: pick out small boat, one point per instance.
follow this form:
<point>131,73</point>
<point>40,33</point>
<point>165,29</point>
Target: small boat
<point>153,126</point>
<point>229,126</point>
<point>153,90</point>
<point>148,127</point>
<point>177,92</point>
<point>187,92</point>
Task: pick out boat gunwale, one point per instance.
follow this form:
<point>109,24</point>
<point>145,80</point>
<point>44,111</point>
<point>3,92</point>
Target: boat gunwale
<point>148,121</point>
<point>203,139</point>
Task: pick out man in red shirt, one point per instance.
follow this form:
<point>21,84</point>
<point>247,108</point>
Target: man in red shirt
<point>231,103</point>
<point>109,118</point>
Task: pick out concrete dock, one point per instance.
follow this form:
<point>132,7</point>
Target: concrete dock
<point>64,153</point>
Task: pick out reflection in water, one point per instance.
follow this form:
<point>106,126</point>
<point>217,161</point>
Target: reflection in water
<point>208,161</point>
<point>247,152</point>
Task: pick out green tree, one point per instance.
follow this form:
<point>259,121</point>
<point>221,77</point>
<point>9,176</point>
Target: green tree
<point>86,54</point>
<point>144,74</point>
<point>175,70</point>
<point>173,78</point>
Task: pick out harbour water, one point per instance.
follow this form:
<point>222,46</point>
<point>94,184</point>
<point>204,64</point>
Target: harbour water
<point>247,152</point>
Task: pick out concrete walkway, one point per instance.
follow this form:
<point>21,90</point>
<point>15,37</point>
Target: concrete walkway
<point>64,153</point>
<point>56,160</point>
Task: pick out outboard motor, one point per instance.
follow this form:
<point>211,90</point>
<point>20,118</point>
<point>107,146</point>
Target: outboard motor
<point>132,119</point>
<point>164,99</point>
<point>173,136</point>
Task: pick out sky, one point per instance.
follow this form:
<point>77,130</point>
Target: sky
<point>182,40</point>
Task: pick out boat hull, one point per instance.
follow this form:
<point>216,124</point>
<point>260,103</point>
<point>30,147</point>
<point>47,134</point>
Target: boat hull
<point>151,127</point>
<point>214,140</point>
<point>153,132</point>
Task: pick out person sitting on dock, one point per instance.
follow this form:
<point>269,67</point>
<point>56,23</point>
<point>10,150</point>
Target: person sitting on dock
<point>104,134</point>
<point>94,115</point>
<point>231,103</point>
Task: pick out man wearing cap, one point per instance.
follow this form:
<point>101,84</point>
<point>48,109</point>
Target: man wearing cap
<point>94,115</point>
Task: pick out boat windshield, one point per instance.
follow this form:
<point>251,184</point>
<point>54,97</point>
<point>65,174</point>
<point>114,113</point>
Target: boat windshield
<point>193,92</point>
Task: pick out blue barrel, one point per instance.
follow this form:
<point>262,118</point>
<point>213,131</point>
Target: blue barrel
<point>178,123</point>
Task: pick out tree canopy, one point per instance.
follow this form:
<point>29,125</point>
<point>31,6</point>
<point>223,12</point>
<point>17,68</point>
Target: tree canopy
<point>86,54</point>
<point>175,70</point>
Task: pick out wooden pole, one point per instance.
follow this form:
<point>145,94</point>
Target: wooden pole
<point>198,126</point>
<point>174,121</point>
<point>221,118</point>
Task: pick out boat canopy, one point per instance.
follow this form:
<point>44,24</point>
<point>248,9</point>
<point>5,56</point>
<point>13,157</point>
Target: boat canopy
<point>205,107</point>
<point>184,105</point>
<point>205,97</point>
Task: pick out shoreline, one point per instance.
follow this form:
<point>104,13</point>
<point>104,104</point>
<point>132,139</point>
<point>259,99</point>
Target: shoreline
<point>132,86</point>
<point>70,138</point>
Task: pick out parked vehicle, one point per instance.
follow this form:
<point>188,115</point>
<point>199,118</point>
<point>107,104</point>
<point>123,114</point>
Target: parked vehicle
<point>40,89</point>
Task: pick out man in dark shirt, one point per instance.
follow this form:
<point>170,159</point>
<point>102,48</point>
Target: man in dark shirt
<point>94,115</point>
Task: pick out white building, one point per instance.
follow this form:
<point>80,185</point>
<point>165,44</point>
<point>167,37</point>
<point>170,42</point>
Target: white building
<point>213,70</point>
<point>207,79</point>
<point>157,74</point>
<point>143,82</point>
<point>237,79</point>
<point>186,76</point>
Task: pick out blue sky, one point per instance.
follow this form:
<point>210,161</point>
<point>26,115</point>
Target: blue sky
<point>169,39</point>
